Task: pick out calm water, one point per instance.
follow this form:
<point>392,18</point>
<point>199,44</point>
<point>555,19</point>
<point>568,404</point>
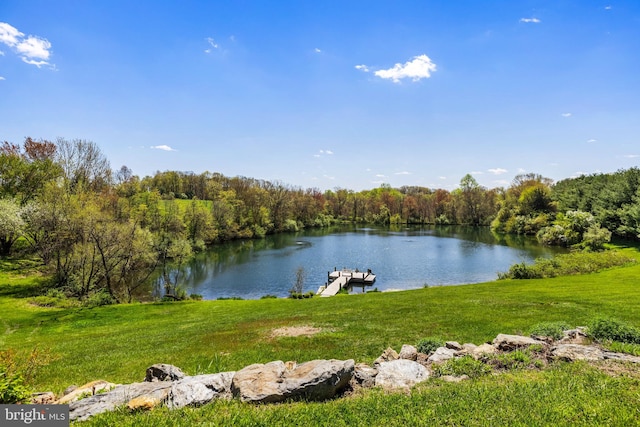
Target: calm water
<point>401,258</point>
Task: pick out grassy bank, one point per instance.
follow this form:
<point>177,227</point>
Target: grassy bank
<point>118,343</point>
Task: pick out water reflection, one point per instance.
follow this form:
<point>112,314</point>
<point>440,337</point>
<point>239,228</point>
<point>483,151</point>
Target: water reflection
<point>401,257</point>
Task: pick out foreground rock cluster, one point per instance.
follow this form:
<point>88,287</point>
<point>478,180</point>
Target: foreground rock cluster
<point>314,380</point>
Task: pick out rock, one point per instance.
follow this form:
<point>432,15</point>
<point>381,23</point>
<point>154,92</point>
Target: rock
<point>163,372</point>
<point>575,336</point>
<point>199,390</point>
<point>483,350</point>
<point>143,403</point>
<point>453,345</point>
<point>408,352</point>
<point>442,354</point>
<point>572,352</point>
<point>400,374</point>
<point>423,359</point>
<point>466,348</point>
<point>89,389</point>
<point>81,410</point>
<point>69,389</point>
<point>44,398</point>
<point>272,382</point>
<point>364,375</point>
<point>388,355</point>
<point>506,342</point>
<point>622,357</point>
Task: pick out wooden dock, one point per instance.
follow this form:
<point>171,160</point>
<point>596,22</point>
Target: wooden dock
<point>345,278</point>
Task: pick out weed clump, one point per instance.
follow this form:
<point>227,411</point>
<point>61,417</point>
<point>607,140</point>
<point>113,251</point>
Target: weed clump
<point>429,345</point>
<point>607,329</point>
<point>553,330</point>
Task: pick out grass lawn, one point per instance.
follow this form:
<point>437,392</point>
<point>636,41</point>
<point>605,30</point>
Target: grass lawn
<point>118,343</point>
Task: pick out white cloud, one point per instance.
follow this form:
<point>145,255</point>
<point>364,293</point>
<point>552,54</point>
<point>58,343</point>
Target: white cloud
<point>362,67</point>
<point>420,67</point>
<point>211,43</point>
<point>530,20</point>
<point>592,140</point>
<point>442,178</point>
<point>32,50</point>
<point>316,155</point>
<point>403,173</point>
<point>329,152</point>
<point>498,171</point>
<point>2,78</point>
<point>316,50</point>
<point>1,53</point>
<point>163,148</point>
<point>607,8</point>
<point>631,156</point>
<point>567,114</point>
<point>379,175</point>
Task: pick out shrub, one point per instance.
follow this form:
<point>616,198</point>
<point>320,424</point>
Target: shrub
<point>12,388</point>
<point>268,296</point>
<point>550,329</point>
<point>429,345</point>
<point>99,299</point>
<point>603,329</point>
<point>195,297</point>
<point>465,365</point>
<point>17,371</point>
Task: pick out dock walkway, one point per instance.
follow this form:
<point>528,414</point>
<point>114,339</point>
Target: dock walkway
<point>339,279</point>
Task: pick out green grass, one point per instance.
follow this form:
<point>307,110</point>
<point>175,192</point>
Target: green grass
<point>118,343</point>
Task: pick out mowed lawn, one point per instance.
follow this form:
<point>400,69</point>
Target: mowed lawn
<point>118,343</point>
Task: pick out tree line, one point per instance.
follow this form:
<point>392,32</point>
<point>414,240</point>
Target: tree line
<point>104,231</point>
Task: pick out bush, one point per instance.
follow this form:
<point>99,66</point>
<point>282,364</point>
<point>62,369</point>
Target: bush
<point>465,365</point>
<point>550,329</point>
<point>567,264</point>
<point>195,297</point>
<point>17,371</point>
<point>99,299</point>
<point>268,296</point>
<point>603,329</point>
<point>429,345</point>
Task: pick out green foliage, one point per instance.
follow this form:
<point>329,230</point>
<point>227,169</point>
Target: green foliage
<point>429,344</point>
<point>98,299</point>
<point>195,297</point>
<point>567,264</point>
<point>18,371</point>
<point>459,366</point>
<point>603,329</point>
<point>269,296</point>
<point>550,329</point>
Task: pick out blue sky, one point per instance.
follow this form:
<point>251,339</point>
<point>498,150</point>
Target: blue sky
<point>329,94</point>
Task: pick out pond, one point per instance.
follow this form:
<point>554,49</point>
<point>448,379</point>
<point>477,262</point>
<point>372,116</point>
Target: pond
<point>401,258</point>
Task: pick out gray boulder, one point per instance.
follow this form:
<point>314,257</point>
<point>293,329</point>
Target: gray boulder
<point>454,345</point>
<point>483,350</point>
<point>199,390</point>
<point>442,354</point>
<point>572,352</point>
<point>506,342</point>
<point>400,373</point>
<point>272,382</point>
<point>80,410</point>
<point>622,357</point>
<point>163,372</point>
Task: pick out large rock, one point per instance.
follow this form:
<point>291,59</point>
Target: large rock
<point>400,373</point>
<point>272,382</point>
<point>364,375</point>
<point>199,390</point>
<point>163,372</point>
<point>442,354</point>
<point>506,342</point>
<point>572,352</point>
<point>575,336</point>
<point>89,389</point>
<point>483,350</point>
<point>622,357</point>
<point>408,352</point>
<point>81,410</point>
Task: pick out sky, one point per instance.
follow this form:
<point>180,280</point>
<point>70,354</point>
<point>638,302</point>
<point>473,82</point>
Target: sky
<point>330,94</point>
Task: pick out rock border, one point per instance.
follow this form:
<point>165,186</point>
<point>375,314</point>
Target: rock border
<point>316,380</point>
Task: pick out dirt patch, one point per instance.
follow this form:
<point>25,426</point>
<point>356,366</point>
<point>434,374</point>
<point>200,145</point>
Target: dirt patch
<point>295,331</point>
